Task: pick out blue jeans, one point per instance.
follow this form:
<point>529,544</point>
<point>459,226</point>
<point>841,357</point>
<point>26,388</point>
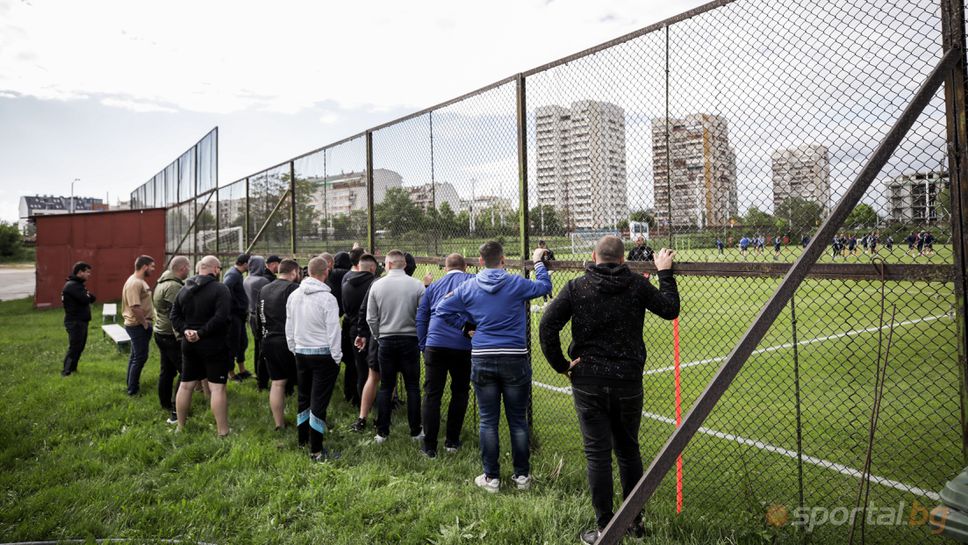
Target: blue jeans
<point>139,355</point>
<point>494,377</point>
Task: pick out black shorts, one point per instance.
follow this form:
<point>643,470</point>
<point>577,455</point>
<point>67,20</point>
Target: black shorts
<point>203,362</point>
<point>372,351</point>
<point>280,361</point>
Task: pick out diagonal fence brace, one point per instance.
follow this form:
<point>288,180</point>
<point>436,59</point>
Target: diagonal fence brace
<point>724,376</point>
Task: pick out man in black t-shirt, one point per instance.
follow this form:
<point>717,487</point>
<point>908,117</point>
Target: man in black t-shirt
<point>271,319</point>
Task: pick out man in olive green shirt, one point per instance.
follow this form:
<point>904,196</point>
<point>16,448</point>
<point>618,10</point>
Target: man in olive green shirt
<point>138,312</point>
<point>166,337</point>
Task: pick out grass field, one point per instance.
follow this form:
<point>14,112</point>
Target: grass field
<point>82,460</point>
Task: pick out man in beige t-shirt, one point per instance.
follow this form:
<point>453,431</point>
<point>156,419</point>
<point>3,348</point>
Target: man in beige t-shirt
<point>138,313</point>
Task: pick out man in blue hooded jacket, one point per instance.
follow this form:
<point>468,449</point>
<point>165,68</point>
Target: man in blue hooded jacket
<point>496,302</point>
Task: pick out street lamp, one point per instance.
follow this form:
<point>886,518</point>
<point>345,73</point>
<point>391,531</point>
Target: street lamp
<point>72,193</point>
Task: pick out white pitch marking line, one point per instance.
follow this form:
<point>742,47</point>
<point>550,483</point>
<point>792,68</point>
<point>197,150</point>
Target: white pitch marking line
<point>812,460</point>
<point>801,343</point>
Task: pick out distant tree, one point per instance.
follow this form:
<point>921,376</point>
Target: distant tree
<point>757,218</point>
<point>863,216</point>
<point>544,220</point>
<point>647,216</point>
<point>397,214</point>
<point>799,216</point>
<point>11,241</point>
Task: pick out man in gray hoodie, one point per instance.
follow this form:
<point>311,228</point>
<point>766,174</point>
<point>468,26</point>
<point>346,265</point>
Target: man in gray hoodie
<point>391,314</point>
<point>259,276</point>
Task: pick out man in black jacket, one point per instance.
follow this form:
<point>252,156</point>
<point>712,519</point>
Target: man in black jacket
<point>77,314</point>
<point>341,266</point>
<point>238,338</point>
<point>606,358</point>
<point>280,362</point>
<point>201,315</point>
<point>356,286</point>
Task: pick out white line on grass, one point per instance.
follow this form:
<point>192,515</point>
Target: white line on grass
<point>812,460</point>
<point>801,343</point>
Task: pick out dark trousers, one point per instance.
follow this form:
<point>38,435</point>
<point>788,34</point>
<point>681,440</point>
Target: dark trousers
<point>508,378</point>
<point>261,370</point>
<point>317,377</point>
<point>169,350</point>
<point>398,354</point>
<point>438,362</point>
<point>76,341</point>
<point>350,379</point>
<point>238,339</point>
<point>609,417</point>
<point>139,355</point>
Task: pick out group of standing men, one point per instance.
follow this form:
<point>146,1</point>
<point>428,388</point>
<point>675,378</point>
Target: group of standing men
<point>470,327</point>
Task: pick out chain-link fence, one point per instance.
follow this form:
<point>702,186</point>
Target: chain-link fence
<point>728,134</point>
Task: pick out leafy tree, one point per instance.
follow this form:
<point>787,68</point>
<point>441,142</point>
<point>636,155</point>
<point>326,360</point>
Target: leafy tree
<point>862,216</point>
<point>757,218</point>
<point>800,216</point>
<point>545,219</point>
<point>397,214</point>
<point>11,241</point>
<point>647,216</point>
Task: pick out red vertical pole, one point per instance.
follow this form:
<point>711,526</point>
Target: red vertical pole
<point>675,355</point>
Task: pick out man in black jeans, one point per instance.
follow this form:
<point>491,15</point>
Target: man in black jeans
<point>446,350</point>
<point>77,314</point>
<point>168,341</point>
<point>606,357</point>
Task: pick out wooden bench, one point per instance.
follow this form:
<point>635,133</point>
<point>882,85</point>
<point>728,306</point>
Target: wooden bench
<point>117,334</point>
<point>109,310</point>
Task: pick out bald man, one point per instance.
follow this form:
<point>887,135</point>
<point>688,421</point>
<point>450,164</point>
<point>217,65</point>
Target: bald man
<point>166,291</point>
<point>446,350</point>
<point>201,315</point>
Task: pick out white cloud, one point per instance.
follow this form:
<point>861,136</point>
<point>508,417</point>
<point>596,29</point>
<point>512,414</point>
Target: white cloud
<point>136,105</point>
<point>221,57</point>
<point>329,118</point>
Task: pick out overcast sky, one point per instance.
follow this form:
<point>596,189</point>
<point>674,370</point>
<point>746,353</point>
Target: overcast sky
<point>111,91</point>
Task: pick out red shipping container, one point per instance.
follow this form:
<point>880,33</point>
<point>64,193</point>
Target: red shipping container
<point>109,241</point>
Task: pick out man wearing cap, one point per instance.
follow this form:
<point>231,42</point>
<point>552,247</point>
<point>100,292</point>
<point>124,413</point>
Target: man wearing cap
<point>237,339</point>
<point>272,266</point>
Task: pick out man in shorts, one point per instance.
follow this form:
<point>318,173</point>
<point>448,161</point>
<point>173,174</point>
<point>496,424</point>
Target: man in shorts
<point>281,363</point>
<point>201,315</point>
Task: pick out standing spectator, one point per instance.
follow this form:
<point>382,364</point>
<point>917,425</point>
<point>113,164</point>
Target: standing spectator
<point>720,246</point>
<point>889,243</point>
<point>167,339</point>
<point>391,316</point>
<point>446,350</point>
<point>911,240</point>
<point>238,339</point>
<point>641,252</point>
<point>496,302</point>
<point>744,244</point>
<point>342,265</point>
<point>606,308</point>
<point>202,315</point>
<point>259,277</point>
<point>356,287</point>
<point>138,312</point>
<point>872,243</point>
<point>313,335</point>
<point>280,362</point>
<point>77,303</point>
<point>852,244</point>
<point>777,244</point>
<point>272,266</point>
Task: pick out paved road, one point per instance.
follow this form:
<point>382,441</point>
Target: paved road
<point>16,283</point>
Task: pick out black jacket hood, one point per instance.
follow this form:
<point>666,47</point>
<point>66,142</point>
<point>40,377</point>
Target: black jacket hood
<point>358,278</point>
<point>342,261</point>
<point>198,282</point>
<point>610,277</point>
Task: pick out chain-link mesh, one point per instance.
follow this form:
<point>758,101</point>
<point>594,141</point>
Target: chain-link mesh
<point>728,135</point>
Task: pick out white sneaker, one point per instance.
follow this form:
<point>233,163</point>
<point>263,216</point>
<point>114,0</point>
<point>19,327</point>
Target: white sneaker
<point>522,481</point>
<point>419,437</point>
<point>491,485</point>
<point>379,439</point>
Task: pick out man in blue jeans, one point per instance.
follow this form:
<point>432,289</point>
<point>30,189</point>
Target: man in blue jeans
<point>606,308</point>
<point>496,302</point>
<point>138,313</point>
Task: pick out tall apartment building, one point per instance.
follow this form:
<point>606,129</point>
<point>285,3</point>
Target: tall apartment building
<point>802,172</point>
<point>703,172</point>
<point>581,163</point>
<point>914,197</point>
<point>343,193</point>
<point>429,196</point>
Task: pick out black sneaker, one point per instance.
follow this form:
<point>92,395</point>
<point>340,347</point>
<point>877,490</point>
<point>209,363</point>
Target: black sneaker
<point>359,425</point>
<point>428,452</point>
<point>591,536</point>
<point>172,419</point>
<point>451,447</point>
<point>636,530</point>
<point>244,375</point>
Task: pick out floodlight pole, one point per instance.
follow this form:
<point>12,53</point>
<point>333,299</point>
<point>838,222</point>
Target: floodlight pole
<point>72,193</point>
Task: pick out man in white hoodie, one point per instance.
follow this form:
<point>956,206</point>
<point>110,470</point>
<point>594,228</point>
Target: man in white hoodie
<point>313,335</point>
